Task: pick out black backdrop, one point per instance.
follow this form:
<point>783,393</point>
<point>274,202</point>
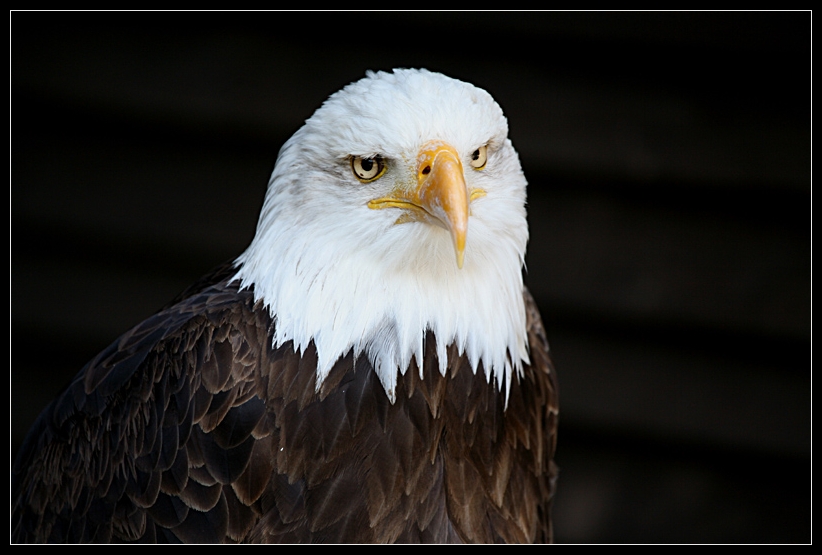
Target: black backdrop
<point>668,156</point>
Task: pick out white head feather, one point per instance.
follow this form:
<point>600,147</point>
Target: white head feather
<point>334,271</point>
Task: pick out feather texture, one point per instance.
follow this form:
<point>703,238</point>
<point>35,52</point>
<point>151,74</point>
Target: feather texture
<point>129,452</point>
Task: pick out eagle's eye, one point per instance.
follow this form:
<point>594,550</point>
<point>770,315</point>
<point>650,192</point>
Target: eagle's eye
<point>367,169</point>
<point>479,157</point>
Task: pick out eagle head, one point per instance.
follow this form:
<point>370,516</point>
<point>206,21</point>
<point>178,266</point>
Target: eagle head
<point>397,209</point>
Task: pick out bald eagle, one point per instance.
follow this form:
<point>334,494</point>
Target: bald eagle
<point>370,369</point>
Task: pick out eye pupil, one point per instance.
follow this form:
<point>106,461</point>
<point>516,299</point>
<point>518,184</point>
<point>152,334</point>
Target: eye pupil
<point>367,164</point>
<point>475,155</point>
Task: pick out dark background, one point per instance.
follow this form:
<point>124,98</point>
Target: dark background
<point>668,156</point>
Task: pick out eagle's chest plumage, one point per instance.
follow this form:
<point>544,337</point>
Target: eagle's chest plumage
<point>446,462</point>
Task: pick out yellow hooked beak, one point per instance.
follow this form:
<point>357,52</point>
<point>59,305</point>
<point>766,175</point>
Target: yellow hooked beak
<point>440,196</point>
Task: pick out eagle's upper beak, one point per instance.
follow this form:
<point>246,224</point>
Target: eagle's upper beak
<point>439,195</point>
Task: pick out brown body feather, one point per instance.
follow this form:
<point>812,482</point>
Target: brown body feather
<point>191,427</point>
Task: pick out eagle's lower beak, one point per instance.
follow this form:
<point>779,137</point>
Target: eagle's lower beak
<point>440,196</point>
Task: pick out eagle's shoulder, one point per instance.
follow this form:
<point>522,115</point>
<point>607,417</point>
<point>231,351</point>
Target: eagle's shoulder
<point>112,455</point>
<point>545,388</point>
